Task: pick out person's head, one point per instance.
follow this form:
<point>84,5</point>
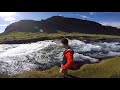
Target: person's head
<point>64,42</point>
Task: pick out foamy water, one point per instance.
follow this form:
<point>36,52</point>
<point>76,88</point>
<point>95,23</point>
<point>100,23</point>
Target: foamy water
<point>17,58</point>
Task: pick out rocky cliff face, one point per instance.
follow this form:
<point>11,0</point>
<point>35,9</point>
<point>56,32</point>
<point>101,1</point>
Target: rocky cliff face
<point>65,24</point>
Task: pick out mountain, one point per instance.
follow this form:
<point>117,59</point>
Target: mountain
<point>65,24</point>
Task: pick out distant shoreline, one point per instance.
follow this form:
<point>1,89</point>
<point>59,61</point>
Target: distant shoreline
<point>23,38</point>
<point>46,38</point>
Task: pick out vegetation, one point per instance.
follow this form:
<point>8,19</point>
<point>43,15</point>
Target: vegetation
<point>109,68</point>
<point>29,35</point>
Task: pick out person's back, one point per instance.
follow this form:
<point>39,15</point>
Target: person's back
<point>67,62</point>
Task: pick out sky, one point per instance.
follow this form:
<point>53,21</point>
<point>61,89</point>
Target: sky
<point>104,18</point>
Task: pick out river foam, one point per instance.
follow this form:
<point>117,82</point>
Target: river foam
<point>17,58</point>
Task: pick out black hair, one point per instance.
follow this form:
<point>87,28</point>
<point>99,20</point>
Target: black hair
<point>64,41</point>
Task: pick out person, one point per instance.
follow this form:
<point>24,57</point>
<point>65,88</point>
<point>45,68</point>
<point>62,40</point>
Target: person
<point>67,62</point>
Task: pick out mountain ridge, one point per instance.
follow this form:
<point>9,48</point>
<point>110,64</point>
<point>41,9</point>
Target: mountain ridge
<point>65,24</point>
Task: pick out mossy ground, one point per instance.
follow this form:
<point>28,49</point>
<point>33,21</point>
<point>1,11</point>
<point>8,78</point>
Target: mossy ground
<point>109,68</point>
<point>29,35</point>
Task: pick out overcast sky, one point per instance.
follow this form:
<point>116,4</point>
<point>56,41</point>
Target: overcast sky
<point>105,18</point>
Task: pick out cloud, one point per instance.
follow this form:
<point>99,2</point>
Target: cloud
<point>9,19</point>
<point>3,25</point>
<point>114,24</point>
<point>60,15</point>
<point>92,13</point>
<point>77,14</point>
<point>12,22</point>
<point>7,14</point>
<point>83,16</point>
<point>107,12</point>
<point>72,14</point>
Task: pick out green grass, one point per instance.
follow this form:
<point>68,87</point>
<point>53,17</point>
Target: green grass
<point>109,68</point>
<point>29,35</point>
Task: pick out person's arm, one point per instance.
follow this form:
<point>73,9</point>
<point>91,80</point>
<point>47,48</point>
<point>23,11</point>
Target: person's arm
<point>69,57</point>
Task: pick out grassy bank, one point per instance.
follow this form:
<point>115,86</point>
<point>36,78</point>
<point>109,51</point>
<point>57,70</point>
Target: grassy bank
<point>109,68</point>
<point>28,35</point>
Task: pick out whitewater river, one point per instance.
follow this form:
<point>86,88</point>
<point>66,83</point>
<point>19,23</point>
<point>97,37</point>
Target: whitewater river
<point>17,58</point>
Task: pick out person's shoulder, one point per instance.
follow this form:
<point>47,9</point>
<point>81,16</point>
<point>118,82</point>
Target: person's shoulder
<point>69,51</point>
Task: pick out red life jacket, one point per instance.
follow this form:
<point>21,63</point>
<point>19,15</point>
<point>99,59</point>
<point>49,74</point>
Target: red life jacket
<point>68,59</point>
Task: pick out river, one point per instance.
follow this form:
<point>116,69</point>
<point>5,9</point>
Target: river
<point>41,55</point>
